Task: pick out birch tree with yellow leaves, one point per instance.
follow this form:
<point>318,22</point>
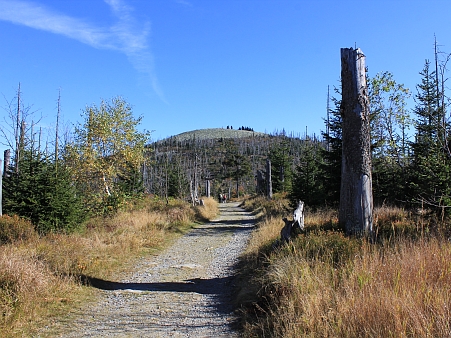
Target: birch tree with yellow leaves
<point>107,155</point>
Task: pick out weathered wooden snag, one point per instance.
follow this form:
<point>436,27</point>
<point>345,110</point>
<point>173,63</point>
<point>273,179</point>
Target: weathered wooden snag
<point>7,157</point>
<point>207,188</point>
<point>268,179</point>
<point>356,195</point>
<point>298,215</point>
<point>260,182</point>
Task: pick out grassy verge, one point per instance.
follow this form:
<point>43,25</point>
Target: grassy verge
<point>324,284</point>
<point>41,277</point>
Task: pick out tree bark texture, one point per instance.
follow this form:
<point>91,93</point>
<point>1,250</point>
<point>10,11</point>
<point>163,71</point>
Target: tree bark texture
<point>1,189</point>
<point>356,196</point>
<point>7,157</point>
<point>191,191</point>
<point>260,183</point>
<point>268,179</point>
<point>207,188</point>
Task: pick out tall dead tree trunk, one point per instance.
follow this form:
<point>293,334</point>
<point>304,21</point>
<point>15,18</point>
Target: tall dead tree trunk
<point>195,183</point>
<point>20,146</point>
<point>207,188</point>
<point>260,185</point>
<point>1,189</point>
<point>268,179</point>
<point>7,157</point>
<point>356,196</point>
<point>191,192</point>
<point>57,130</point>
<point>237,182</point>
<point>18,131</point>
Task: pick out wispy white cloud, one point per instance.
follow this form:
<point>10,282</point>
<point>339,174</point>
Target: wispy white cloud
<point>126,35</point>
<point>184,3</point>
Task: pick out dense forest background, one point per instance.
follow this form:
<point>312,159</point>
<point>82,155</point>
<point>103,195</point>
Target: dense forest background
<point>106,163</point>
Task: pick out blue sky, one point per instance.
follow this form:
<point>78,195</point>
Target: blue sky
<point>192,64</point>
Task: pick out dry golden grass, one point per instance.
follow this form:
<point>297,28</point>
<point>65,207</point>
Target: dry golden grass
<point>27,288</point>
<point>262,207</point>
<point>324,284</point>
<point>40,277</point>
<point>14,229</point>
<point>265,234</point>
<point>395,221</point>
<point>209,210</point>
<point>404,292</point>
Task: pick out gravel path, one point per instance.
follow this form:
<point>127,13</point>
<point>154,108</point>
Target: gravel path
<point>186,291</point>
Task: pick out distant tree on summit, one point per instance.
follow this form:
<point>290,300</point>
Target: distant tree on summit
<point>245,128</point>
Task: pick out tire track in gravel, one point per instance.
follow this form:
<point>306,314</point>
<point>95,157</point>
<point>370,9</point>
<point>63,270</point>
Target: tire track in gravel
<point>186,291</point>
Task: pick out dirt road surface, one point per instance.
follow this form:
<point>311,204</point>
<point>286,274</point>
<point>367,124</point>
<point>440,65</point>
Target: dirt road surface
<point>186,291</point>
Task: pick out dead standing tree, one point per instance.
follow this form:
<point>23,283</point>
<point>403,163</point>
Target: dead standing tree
<point>260,189</point>
<point>356,196</point>
<point>268,179</point>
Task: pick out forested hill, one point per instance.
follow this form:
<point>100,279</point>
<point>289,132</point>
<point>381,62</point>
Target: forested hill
<point>228,158</point>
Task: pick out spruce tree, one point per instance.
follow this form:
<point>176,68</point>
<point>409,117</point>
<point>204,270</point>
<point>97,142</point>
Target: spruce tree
<point>44,194</point>
<point>430,168</point>
<point>177,181</point>
<point>308,183</point>
<point>332,155</point>
<point>281,166</point>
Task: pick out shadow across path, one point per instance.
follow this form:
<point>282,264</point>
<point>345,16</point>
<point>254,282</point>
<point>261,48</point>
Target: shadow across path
<point>211,286</point>
<point>219,289</point>
<point>233,223</point>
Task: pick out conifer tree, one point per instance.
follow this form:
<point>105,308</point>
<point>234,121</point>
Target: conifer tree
<point>430,169</point>
<point>281,166</point>
<point>43,194</point>
<point>332,155</point>
<point>177,181</point>
<point>308,183</point>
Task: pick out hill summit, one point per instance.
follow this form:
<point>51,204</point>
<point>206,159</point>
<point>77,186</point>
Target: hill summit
<point>216,133</point>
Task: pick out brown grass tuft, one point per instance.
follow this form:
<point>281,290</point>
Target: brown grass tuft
<point>262,207</point>
<point>209,210</point>
<point>14,228</point>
